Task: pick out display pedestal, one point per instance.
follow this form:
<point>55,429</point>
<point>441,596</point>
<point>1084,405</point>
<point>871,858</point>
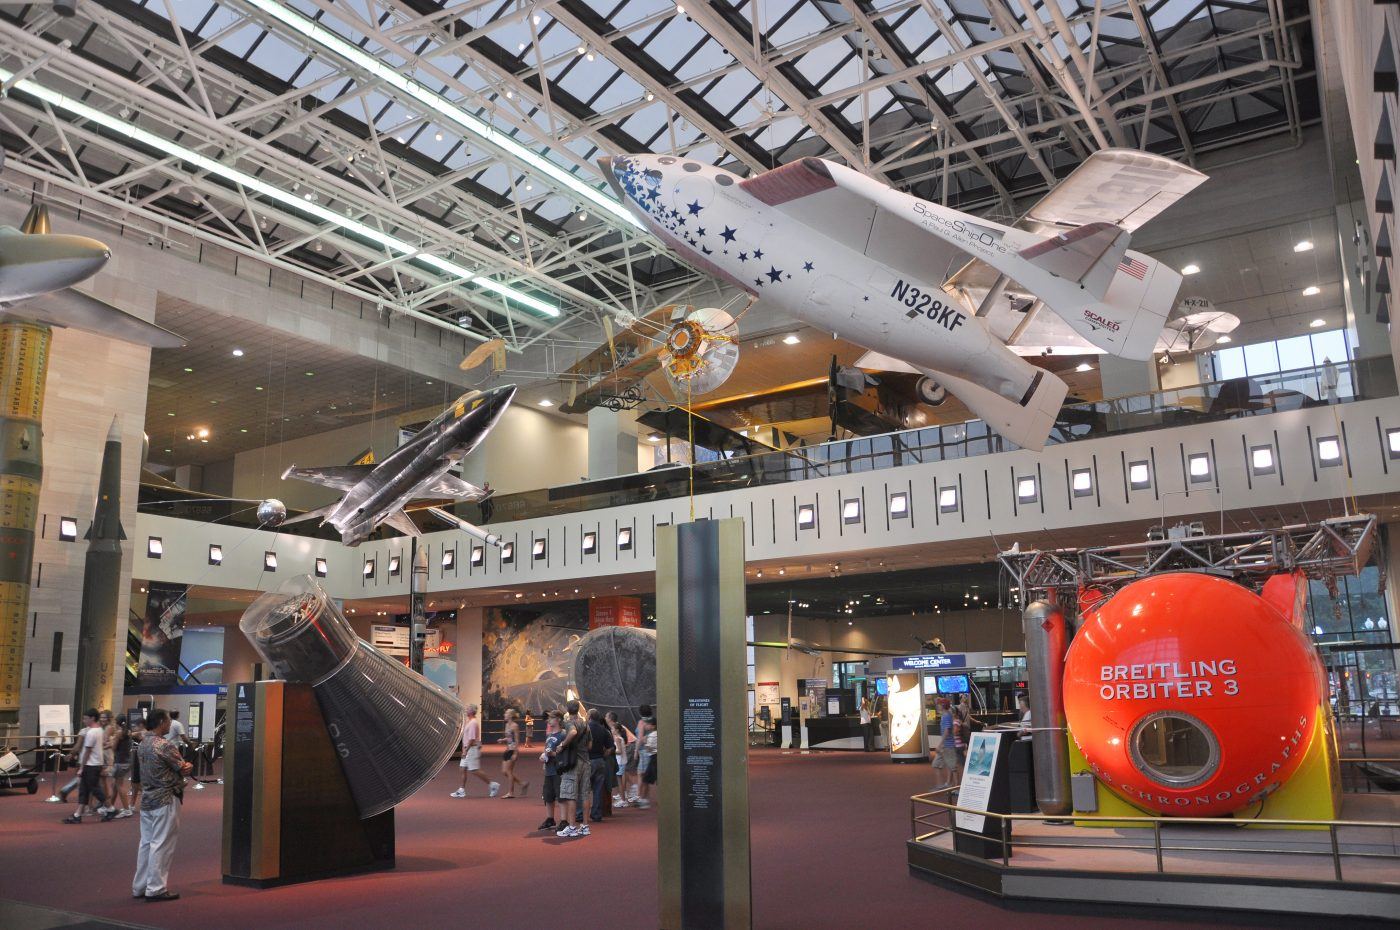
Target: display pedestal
<point>986,786</point>
<point>289,815</point>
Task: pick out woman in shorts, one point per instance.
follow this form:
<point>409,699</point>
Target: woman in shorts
<point>512,741</point>
<point>121,769</point>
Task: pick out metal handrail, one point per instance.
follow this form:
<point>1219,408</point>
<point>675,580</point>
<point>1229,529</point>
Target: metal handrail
<point>1156,823</point>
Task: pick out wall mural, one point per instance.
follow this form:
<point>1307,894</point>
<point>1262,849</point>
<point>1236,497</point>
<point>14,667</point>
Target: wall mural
<point>527,656</point>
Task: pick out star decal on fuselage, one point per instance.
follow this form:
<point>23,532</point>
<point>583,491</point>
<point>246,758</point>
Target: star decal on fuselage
<point>743,256</point>
<point>774,274</point>
<point>757,253</point>
<point>806,266</point>
<point>694,208</point>
<point>728,234</point>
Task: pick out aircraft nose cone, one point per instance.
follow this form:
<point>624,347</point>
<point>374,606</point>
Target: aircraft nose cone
<point>501,397</point>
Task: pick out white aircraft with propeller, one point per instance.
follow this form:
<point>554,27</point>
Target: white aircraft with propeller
<point>854,257</point>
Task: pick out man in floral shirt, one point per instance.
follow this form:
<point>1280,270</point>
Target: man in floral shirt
<point>163,772</point>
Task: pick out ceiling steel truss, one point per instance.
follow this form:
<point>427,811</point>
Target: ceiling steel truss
<point>440,161</point>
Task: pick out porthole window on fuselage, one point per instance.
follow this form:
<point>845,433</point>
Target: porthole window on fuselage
<point>1174,749</point>
<point>691,167</point>
<point>723,180</point>
<point>666,160</point>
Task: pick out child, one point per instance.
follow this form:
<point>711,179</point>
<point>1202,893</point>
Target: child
<point>553,733</point>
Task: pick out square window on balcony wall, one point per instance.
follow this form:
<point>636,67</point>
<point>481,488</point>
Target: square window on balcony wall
<point>1198,467</point>
<point>508,553</point>
<point>1139,475</point>
<point>478,556</point>
<point>1261,460</point>
<point>624,538</point>
<point>322,569</point>
<point>449,559</point>
<point>806,516</point>
<point>948,499</point>
<point>67,529</point>
<point>539,550</point>
<point>899,504</point>
<point>850,511</point>
<point>1081,482</point>
<point>1027,491</point>
<point>1329,451</point>
<point>1392,442</point>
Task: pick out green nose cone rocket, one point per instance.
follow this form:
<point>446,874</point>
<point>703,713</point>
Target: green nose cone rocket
<point>102,575</point>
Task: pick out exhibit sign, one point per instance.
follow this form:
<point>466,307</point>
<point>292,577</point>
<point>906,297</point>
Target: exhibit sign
<point>162,634</point>
<point>906,706</point>
<point>614,611</point>
<point>765,693</point>
<point>55,723</point>
<point>702,671</point>
<point>394,639</point>
<point>978,771</point>
<point>814,690</point>
<point>923,663</point>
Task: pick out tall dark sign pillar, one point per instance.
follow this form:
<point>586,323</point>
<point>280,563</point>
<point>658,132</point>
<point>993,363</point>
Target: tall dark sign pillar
<point>702,733</point>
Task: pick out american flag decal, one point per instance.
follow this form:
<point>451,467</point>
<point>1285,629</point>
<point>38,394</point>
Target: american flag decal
<point>1134,267</point>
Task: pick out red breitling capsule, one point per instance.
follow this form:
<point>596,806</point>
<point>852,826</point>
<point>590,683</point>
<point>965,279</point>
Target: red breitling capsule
<point>1189,694</point>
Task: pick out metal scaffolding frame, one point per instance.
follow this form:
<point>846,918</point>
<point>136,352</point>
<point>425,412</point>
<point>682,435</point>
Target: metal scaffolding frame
<point>448,155</point>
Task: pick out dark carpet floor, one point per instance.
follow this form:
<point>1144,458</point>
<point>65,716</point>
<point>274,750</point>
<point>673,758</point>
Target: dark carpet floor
<point>828,832</point>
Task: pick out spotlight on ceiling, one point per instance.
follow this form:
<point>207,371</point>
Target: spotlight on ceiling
<point>1191,269</point>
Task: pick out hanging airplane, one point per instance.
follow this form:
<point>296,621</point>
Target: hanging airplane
<point>38,269</point>
<point>416,470</point>
<point>853,257</point>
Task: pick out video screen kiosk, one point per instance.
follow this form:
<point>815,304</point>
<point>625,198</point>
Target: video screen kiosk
<point>906,704</point>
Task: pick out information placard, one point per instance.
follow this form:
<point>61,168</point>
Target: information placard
<point>922,663</point>
<point>55,723</point>
<point>978,772</point>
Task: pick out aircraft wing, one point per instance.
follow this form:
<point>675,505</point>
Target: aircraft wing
<point>615,382</point>
<point>1123,187</point>
<point>70,308</point>
<point>402,522</point>
<point>339,477</point>
<point>454,487</point>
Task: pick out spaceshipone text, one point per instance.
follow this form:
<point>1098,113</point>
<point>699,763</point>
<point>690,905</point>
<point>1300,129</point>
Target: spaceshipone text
<point>1154,680</point>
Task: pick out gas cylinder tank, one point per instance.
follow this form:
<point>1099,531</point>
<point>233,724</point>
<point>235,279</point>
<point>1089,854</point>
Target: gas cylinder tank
<point>1190,695</point>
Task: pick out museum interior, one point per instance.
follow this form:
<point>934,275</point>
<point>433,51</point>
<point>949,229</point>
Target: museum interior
<point>825,462</point>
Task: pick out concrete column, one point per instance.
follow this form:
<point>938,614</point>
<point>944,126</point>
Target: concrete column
<point>1122,377</point>
<point>612,443</point>
<point>91,379</point>
<point>469,626</point>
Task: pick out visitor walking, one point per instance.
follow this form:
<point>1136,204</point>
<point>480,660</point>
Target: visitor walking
<point>118,806</point>
<point>109,736</point>
<point>572,762</point>
<point>622,739</point>
<point>600,753</point>
<point>163,772</point>
<point>87,754</point>
<point>508,760</point>
<point>945,759</point>
<point>553,733</point>
<point>471,756</point>
<point>636,765</point>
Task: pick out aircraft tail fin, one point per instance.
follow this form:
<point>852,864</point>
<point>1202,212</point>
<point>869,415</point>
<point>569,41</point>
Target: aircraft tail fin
<point>1128,320</point>
<point>1028,422</point>
<point>1089,255</point>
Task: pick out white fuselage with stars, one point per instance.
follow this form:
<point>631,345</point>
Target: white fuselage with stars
<point>704,213</point>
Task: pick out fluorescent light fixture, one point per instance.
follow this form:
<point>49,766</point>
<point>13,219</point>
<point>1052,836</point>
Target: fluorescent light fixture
<point>653,437</point>
<point>899,504</point>
<point>1192,268</point>
<point>791,339</point>
<point>538,550</point>
<point>1392,442</point>
<point>1312,290</point>
<point>1261,460</point>
<point>394,564</point>
<point>449,559</point>
<point>1026,492</point>
<point>624,538</point>
<point>1317,323</point>
<point>590,543</point>
<point>154,547</point>
<point>1084,366</point>
<point>287,199</point>
<point>216,554</point>
<point>948,499</point>
<point>546,402</point>
<point>1329,451</point>
<point>806,516</point>
<point>368,568</point>
<point>508,553</point>
<point>1223,340</point>
<point>1304,246</point>
<point>67,529</point>
<point>1139,475</point>
<point>850,511</point>
<point>1081,481</point>
<point>478,556</point>
<point>1198,467</point>
<point>322,569</point>
<point>392,76</point>
<point>269,561</point>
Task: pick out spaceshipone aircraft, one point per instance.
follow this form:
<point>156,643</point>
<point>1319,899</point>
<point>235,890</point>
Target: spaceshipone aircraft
<point>923,285</point>
<point>37,271</point>
<point>418,469</point>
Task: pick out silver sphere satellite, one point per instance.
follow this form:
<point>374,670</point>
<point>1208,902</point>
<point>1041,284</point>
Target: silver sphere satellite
<point>271,512</point>
<point>615,670</point>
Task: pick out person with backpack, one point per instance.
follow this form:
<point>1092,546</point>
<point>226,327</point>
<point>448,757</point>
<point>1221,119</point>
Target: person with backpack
<point>553,734</point>
<point>571,760</point>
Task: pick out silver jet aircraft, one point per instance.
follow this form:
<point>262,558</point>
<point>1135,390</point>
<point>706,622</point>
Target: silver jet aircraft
<point>38,269</point>
<point>376,493</point>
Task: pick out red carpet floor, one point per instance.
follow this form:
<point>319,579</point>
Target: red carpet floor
<point>828,835</point>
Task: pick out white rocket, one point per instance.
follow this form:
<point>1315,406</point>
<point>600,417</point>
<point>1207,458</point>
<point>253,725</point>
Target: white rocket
<point>926,288</point>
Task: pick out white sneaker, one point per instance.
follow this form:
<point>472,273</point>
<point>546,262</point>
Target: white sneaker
<point>582,830</point>
<point>459,793</point>
<point>566,830</point>
<point>126,812</point>
<point>621,804</point>
<point>642,802</point>
<point>495,788</point>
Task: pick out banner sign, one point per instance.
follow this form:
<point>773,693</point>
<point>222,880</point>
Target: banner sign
<point>925,662</point>
<point>814,690</point>
<point>614,611</point>
<point>162,634</point>
<point>977,778</point>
